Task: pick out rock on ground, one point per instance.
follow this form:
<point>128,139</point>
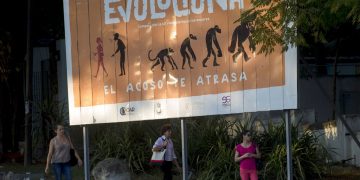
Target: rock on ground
<point>111,169</point>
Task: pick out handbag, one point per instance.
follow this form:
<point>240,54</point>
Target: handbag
<point>73,160</point>
<point>157,158</point>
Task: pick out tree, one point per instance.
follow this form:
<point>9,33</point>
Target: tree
<point>304,22</point>
<point>289,22</point>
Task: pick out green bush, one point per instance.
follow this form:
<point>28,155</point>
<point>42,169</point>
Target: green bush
<point>129,141</point>
<point>308,154</point>
<point>211,143</point>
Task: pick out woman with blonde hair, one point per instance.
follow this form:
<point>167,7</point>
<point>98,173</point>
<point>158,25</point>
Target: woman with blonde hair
<point>59,154</point>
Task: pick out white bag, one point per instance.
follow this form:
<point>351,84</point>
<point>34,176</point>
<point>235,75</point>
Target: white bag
<point>157,158</point>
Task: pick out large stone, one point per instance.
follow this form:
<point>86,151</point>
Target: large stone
<point>111,169</point>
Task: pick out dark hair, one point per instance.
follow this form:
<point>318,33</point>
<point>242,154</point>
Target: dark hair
<point>55,126</point>
<point>165,128</point>
<point>245,132</point>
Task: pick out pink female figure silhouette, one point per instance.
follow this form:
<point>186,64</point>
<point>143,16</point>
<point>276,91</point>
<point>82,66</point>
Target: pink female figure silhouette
<point>100,54</point>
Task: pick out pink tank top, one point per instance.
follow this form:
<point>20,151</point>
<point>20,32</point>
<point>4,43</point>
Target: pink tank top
<point>248,163</point>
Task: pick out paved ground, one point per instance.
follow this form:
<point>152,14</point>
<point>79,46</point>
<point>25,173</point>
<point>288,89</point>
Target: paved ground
<point>18,172</point>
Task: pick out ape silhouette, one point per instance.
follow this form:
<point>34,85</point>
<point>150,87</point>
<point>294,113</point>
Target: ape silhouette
<point>240,34</point>
<point>160,58</point>
<point>186,45</point>
<point>100,54</point>
<point>211,38</point>
<point>120,46</point>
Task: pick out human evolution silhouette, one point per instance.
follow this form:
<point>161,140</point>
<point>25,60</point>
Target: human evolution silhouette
<point>240,34</point>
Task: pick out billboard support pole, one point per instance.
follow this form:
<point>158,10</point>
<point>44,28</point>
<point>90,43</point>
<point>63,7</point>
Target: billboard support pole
<point>288,146</point>
<point>86,153</point>
<point>184,150</point>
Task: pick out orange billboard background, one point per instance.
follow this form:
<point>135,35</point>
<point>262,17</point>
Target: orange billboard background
<point>119,59</point>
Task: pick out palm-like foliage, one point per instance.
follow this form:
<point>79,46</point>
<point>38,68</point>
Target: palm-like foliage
<point>130,141</point>
<point>47,114</point>
<point>211,149</point>
<point>211,142</point>
<point>307,153</point>
<point>211,145</point>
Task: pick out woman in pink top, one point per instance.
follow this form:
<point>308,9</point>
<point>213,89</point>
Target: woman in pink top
<point>246,153</point>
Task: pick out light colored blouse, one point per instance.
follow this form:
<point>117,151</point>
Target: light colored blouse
<point>61,153</point>
<point>170,153</point>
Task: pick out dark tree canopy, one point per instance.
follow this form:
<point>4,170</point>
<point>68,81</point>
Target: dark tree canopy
<point>300,22</point>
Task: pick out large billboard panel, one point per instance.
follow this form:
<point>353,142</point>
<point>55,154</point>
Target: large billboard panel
<point>131,60</point>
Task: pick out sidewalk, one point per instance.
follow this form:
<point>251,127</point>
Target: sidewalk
<point>21,176</point>
<point>17,171</point>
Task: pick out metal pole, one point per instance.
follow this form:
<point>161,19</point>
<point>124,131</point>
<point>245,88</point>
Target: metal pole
<point>288,146</point>
<point>28,90</point>
<point>86,153</point>
<point>184,149</point>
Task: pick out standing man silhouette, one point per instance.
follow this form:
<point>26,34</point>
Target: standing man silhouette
<point>120,47</point>
<point>210,39</point>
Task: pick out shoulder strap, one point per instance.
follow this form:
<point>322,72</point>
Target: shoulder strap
<point>163,141</point>
<point>71,144</point>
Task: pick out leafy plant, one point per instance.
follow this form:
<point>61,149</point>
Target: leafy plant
<point>211,145</point>
<point>307,153</point>
<point>130,141</point>
<point>212,142</point>
<point>49,112</point>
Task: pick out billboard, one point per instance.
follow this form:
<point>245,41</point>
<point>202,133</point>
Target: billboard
<point>130,60</point>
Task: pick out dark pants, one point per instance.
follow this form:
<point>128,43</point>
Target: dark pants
<point>60,169</point>
<point>166,168</point>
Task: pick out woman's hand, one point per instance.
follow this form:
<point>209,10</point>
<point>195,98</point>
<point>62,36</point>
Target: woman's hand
<point>80,163</point>
<point>47,170</point>
<point>247,155</point>
<point>165,144</point>
<point>179,169</point>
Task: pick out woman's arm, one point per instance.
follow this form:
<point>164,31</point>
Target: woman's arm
<point>175,160</point>
<point>238,158</point>
<point>177,165</point>
<point>160,144</point>
<point>51,150</point>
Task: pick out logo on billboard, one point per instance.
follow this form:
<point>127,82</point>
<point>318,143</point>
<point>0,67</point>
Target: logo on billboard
<point>226,100</point>
<point>124,110</point>
<point>158,107</point>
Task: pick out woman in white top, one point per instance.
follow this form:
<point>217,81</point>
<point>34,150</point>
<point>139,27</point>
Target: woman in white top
<point>59,154</point>
<point>165,142</point>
